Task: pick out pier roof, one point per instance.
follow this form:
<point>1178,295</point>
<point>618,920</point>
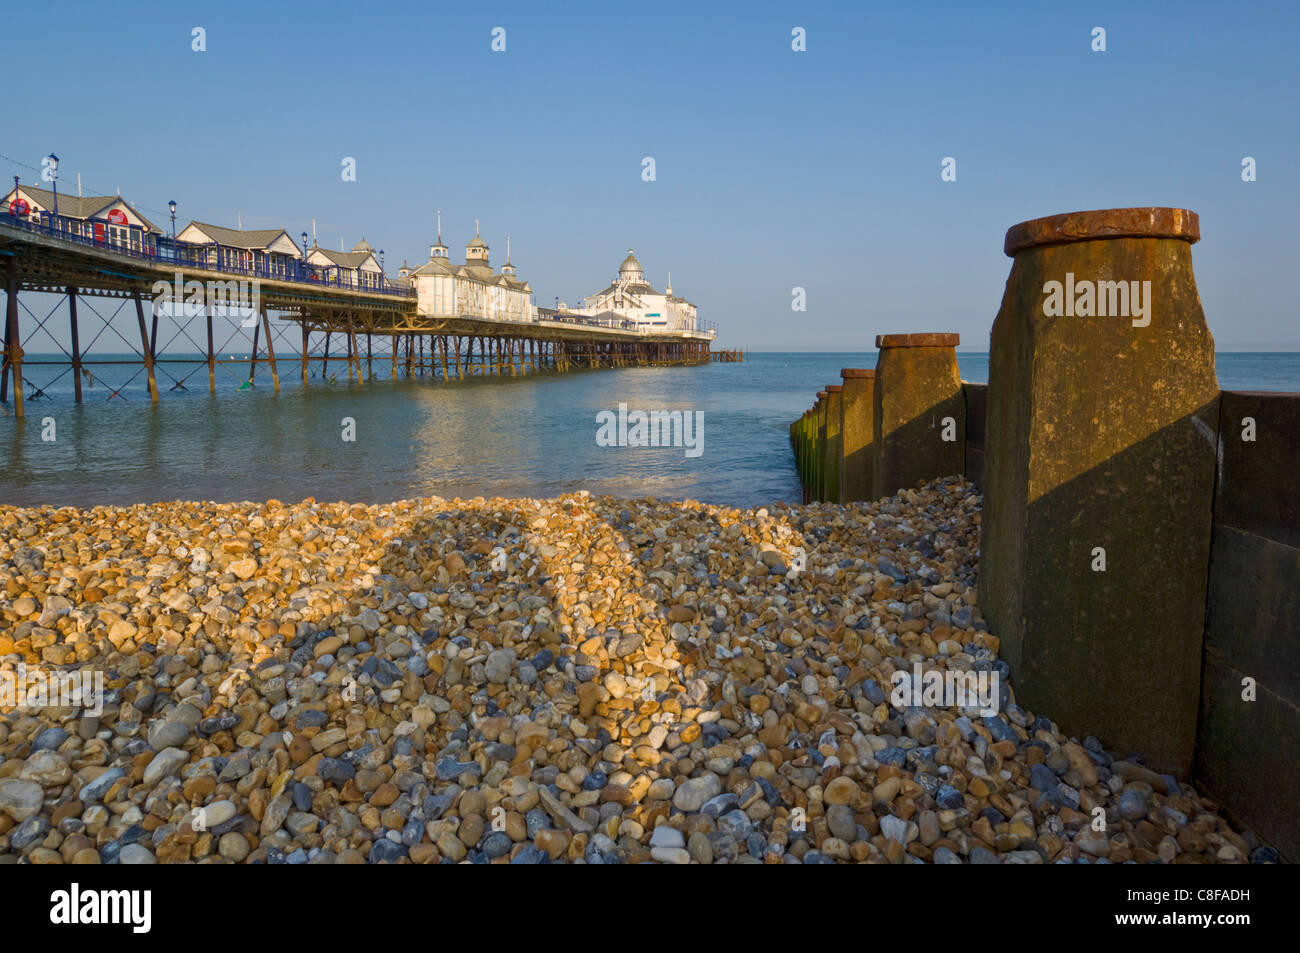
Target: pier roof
<point>347,259</point>
<point>79,206</point>
<point>252,238</point>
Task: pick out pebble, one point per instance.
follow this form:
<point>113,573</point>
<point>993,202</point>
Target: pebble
<point>20,799</point>
<point>347,683</point>
<point>168,734</point>
<point>46,768</point>
<point>665,836</point>
<point>164,764</point>
<point>136,854</point>
<point>692,793</point>
<point>670,855</point>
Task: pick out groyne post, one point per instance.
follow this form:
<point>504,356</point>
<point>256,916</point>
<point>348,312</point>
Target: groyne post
<point>1101,450</point>
<point>857,434</point>
<point>918,409</point>
<point>834,448</point>
<point>819,451</point>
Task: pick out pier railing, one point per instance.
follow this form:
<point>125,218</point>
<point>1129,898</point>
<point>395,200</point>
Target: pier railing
<point>189,255</point>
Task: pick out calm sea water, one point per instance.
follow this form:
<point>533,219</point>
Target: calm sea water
<point>526,436</point>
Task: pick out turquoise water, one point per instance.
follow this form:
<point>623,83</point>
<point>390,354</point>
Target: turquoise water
<point>526,436</point>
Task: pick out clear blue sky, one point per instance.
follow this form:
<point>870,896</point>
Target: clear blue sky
<point>775,169</point>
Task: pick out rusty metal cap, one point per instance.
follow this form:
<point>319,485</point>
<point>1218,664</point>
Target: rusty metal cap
<point>834,388</point>
<point>1103,223</point>
<point>851,372</point>
<point>918,340</point>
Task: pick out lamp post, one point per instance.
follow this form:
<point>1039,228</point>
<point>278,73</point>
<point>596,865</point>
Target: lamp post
<point>381,268</point>
<point>15,198</point>
<point>53,162</point>
<point>171,207</point>
<point>305,273</point>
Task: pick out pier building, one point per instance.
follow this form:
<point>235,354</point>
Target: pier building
<point>358,268</point>
<point>268,251</point>
<point>630,300</point>
<point>105,219</point>
<point>443,289</point>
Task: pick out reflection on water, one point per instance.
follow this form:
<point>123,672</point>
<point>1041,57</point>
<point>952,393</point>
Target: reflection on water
<point>525,436</point>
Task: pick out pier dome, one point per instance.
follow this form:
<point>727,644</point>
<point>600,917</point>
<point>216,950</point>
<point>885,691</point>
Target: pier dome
<point>631,268</point>
<point>363,246</point>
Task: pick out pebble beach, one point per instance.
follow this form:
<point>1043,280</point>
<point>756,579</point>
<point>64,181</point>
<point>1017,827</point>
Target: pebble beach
<point>580,679</point>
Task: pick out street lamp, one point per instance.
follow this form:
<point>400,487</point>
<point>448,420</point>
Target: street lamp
<point>305,273</point>
<point>171,207</point>
<point>53,162</point>
<point>381,268</point>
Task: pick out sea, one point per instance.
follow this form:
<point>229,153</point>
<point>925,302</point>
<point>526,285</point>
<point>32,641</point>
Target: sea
<point>534,435</point>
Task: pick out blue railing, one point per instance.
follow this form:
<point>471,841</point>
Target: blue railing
<point>168,251</point>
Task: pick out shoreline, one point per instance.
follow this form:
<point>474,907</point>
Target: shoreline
<point>582,678</point>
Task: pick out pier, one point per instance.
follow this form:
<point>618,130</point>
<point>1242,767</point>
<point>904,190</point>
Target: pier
<point>318,322</point>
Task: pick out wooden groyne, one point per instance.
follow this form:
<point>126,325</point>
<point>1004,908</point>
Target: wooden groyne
<point>1140,544</point>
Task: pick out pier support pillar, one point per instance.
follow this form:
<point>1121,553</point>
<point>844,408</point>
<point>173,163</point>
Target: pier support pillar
<point>252,361</point>
<point>145,347</point>
<point>306,337</point>
<point>76,342</point>
<point>1100,470</point>
<point>857,432</point>
<point>918,410</point>
<point>13,358</point>
<point>270,349</point>
<point>212,354</point>
<point>353,369</point>
<point>834,449</point>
